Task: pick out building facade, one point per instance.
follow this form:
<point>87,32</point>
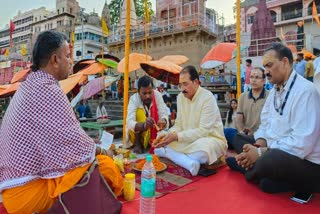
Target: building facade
<point>285,15</point>
<point>180,27</point>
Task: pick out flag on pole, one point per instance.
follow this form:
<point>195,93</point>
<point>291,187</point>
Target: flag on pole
<point>11,29</point>
<point>146,9</point>
<point>105,29</point>
<point>315,13</point>
<point>7,53</point>
<point>72,38</point>
<point>23,50</point>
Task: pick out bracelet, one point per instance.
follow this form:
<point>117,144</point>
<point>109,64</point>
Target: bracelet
<point>259,151</point>
<point>100,151</point>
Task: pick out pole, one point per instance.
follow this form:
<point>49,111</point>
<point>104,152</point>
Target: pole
<point>126,71</point>
<point>82,35</point>
<point>238,51</point>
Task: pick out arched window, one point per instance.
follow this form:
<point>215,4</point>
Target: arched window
<point>273,15</point>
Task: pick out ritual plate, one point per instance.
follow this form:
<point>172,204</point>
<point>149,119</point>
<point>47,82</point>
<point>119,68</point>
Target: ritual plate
<point>163,168</point>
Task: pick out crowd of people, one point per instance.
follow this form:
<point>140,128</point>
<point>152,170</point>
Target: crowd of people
<point>274,133</point>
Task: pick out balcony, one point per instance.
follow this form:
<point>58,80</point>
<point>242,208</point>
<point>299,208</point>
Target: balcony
<point>275,3</point>
<point>291,15</point>
<point>164,26</point>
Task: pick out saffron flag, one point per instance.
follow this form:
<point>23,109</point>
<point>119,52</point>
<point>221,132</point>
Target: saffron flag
<point>105,29</point>
<point>23,50</point>
<point>7,53</point>
<point>315,13</point>
<point>72,38</point>
<point>146,9</point>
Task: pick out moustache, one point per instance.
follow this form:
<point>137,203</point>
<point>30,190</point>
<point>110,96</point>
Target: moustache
<point>268,75</point>
<point>184,92</point>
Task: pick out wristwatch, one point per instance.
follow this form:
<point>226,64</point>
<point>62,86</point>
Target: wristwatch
<point>259,151</point>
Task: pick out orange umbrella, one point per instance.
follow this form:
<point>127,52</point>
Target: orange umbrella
<point>134,62</point>
<point>82,64</point>
<point>164,71</point>
<point>9,89</point>
<point>94,68</point>
<point>218,55</point>
<point>68,84</point>
<point>20,75</point>
<point>176,59</point>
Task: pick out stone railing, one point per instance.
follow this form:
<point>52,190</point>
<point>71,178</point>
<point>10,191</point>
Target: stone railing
<point>117,33</point>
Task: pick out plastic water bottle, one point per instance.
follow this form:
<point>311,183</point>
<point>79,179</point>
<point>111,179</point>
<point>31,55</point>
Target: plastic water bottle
<point>148,187</point>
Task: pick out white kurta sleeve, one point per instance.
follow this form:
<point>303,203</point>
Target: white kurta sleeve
<point>132,111</point>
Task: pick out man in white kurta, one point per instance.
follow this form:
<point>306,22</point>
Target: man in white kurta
<point>146,109</point>
<point>197,136</point>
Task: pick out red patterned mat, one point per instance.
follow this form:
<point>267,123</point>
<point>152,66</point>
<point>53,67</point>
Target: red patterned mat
<point>173,178</point>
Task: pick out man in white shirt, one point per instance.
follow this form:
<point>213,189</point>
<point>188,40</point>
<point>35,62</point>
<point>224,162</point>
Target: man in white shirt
<point>197,135</point>
<point>147,112</point>
<point>288,139</point>
<point>101,111</point>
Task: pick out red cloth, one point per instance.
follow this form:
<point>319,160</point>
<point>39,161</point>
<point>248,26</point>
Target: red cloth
<point>154,114</point>
<point>226,192</point>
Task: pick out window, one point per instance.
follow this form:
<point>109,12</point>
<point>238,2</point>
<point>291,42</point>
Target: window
<point>58,11</point>
<point>71,10</point>
<point>250,19</point>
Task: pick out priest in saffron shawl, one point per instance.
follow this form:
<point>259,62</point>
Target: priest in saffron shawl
<point>43,150</point>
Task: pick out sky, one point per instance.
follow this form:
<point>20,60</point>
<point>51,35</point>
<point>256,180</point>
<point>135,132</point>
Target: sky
<point>12,7</point>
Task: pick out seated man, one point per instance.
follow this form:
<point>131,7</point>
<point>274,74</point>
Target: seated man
<point>146,109</point>
<point>249,109</point>
<point>197,135</point>
<point>101,111</point>
<point>288,158</point>
<point>81,109</point>
<point>44,151</point>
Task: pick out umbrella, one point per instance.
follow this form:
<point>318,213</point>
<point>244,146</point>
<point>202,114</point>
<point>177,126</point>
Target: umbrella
<point>218,55</point>
<point>68,84</point>
<point>134,62</point>
<point>92,69</point>
<point>82,64</point>
<point>108,62</point>
<point>92,88</point>
<point>20,75</point>
<point>108,56</point>
<point>7,90</point>
<point>164,71</point>
<point>176,59</point>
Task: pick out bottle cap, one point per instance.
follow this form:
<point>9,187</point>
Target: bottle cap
<point>149,158</point>
<point>130,176</point>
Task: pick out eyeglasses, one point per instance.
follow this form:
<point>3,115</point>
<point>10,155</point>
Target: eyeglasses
<point>255,77</point>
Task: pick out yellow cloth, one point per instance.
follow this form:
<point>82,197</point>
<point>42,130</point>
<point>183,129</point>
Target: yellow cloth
<point>309,70</point>
<point>145,136</point>
<point>39,195</point>
<point>199,126</point>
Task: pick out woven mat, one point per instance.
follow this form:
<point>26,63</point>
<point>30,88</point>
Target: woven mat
<point>173,178</point>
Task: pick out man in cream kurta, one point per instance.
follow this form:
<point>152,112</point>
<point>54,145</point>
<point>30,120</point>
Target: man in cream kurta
<point>197,136</point>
